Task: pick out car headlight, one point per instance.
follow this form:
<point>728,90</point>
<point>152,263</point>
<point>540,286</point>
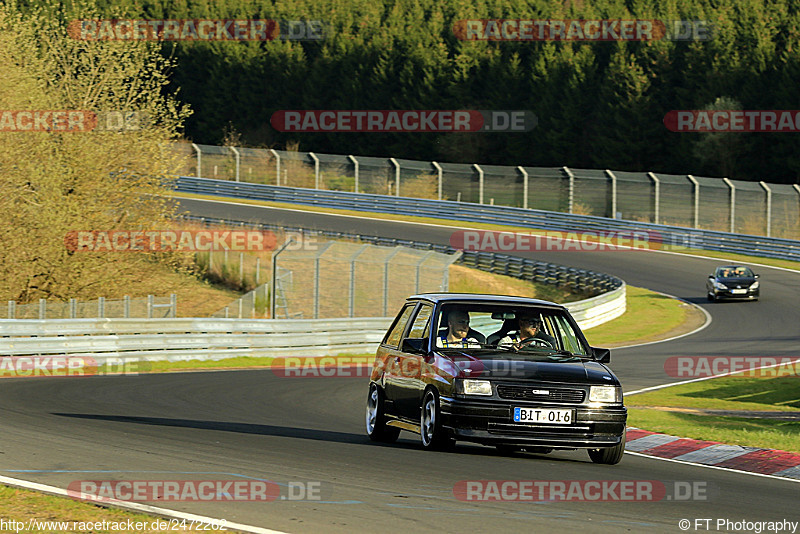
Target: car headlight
<point>719,285</point>
<point>754,285</point>
<point>475,387</point>
<point>605,394</point>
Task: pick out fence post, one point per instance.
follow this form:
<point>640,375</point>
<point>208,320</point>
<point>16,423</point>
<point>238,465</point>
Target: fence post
<point>418,266</point>
<point>258,270</point>
<point>42,308</point>
<point>277,166</point>
<point>480,182</point>
<point>149,306</point>
<point>396,176</point>
<point>732,207</point>
<point>386,263</point>
<point>126,306</point>
<point>238,161</point>
<point>12,309</point>
<point>352,296</point>
<point>101,307</point>
<point>355,164</point>
<point>73,308</point>
<point>656,195</point>
<point>571,199</point>
<point>696,203</point>
<point>173,304</point>
<point>439,172</point>
<point>769,207</point>
<point>275,276</point>
<point>241,268</point>
<point>316,169</point>
<point>524,186</point>
<point>196,148</point>
<point>613,193</point>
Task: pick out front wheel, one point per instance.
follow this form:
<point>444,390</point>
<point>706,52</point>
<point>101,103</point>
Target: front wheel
<point>376,418</point>
<point>433,436</point>
<point>608,455</point>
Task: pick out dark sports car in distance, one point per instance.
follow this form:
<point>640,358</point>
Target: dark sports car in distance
<point>511,372</point>
<point>732,282</point>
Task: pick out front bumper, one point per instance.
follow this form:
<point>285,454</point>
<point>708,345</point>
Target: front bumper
<point>729,294</point>
<point>490,422</point>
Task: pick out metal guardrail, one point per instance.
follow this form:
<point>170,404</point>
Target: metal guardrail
<point>661,236</point>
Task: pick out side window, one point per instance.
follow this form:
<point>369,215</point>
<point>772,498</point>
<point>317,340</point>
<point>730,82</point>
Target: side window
<point>422,322</point>
<point>393,337</point>
<point>569,337</point>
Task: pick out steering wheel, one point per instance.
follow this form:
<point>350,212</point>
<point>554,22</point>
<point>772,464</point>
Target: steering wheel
<point>534,342</point>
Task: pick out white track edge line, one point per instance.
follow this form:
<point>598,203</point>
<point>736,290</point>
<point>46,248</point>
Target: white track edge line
<point>137,507</point>
<point>729,469</point>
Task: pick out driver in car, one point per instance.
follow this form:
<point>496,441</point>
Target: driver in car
<point>530,327</point>
<point>458,334</point>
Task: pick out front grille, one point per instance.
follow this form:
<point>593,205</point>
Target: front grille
<point>574,396</point>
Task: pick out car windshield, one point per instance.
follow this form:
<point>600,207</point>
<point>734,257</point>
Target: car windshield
<point>483,330</point>
<point>734,272</point>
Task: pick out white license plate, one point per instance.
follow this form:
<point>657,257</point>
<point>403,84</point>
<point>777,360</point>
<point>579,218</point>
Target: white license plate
<point>738,291</point>
<point>543,416</point>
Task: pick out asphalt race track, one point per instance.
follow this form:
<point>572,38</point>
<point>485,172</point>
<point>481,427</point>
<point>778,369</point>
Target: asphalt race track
<point>243,425</point>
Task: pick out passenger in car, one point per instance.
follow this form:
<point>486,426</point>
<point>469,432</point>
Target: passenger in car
<point>458,332</point>
<point>530,326</point>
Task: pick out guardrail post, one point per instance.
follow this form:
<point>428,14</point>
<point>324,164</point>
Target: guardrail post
<point>396,176</point>
<point>656,195</point>
<point>277,166</point>
<point>238,161</point>
<point>12,309</point>
<point>173,304</point>
<point>101,307</point>
<point>696,201</point>
<point>316,169</point>
<point>732,202</point>
<point>613,193</point>
<point>524,187</point>
<point>150,306</point>
<point>355,164</point>
<point>275,277</point>
<point>480,182</point>
<point>571,199</point>
<point>42,308</point>
<point>439,172</point>
<point>769,207</point>
<point>196,148</point>
<point>73,308</point>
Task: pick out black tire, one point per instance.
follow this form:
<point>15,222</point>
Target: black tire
<point>710,297</point>
<point>432,435</point>
<point>608,455</point>
<point>376,418</point>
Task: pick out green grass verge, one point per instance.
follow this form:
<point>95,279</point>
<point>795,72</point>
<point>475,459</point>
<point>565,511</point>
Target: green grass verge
<point>726,393</point>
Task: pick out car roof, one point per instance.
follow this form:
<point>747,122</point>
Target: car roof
<point>482,299</point>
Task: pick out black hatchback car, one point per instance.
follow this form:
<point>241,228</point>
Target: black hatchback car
<point>732,282</point>
<point>511,372</point>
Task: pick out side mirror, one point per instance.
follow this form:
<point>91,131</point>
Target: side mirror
<point>415,345</point>
<point>757,276</point>
<point>601,355</point>
<point>711,276</point>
